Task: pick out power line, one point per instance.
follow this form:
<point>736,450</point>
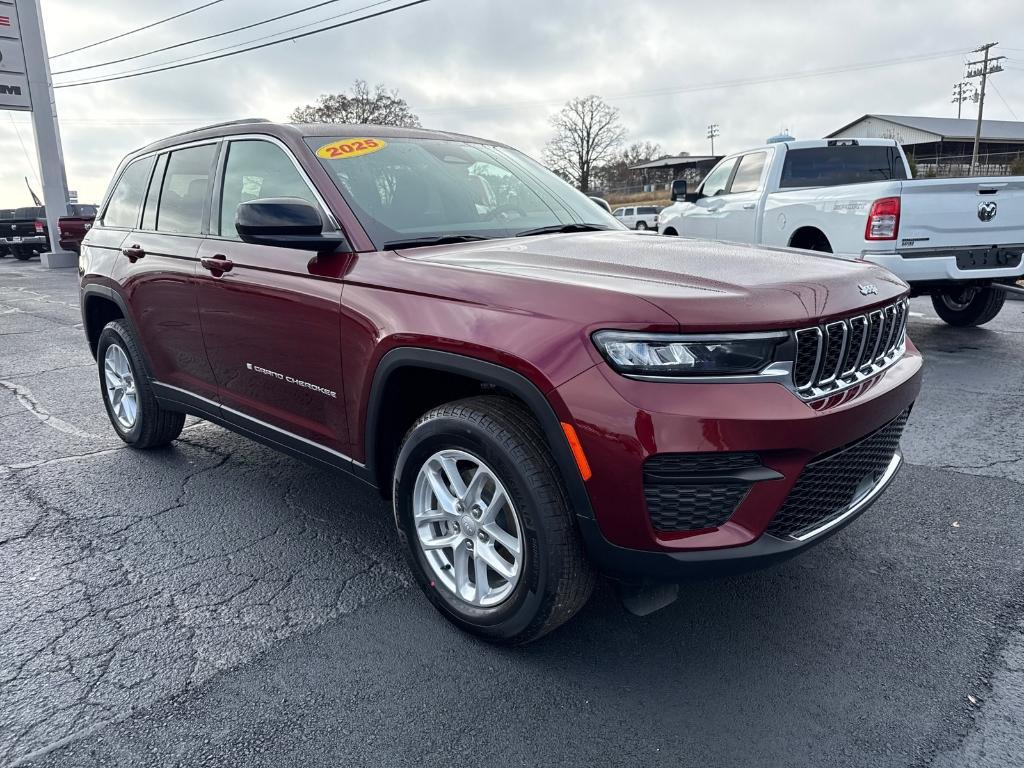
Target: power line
<point>716,85</point>
<point>197,56</point>
<point>1005,102</point>
<point>179,65</point>
<point>28,160</point>
<point>213,36</point>
<point>137,29</point>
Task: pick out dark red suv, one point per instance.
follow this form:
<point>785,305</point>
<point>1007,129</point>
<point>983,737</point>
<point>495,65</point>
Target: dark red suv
<point>544,394</point>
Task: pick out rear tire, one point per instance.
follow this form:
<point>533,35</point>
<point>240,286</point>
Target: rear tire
<point>21,253</point>
<point>543,578</point>
<point>135,414</point>
<point>967,306</point>
<point>641,225</point>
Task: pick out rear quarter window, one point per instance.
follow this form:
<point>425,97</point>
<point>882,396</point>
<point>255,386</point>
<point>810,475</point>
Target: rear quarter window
<point>126,200</point>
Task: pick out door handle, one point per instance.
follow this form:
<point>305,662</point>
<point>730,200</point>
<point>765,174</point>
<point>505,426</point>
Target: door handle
<point>749,206</point>
<point>219,263</point>
<point>133,252</point>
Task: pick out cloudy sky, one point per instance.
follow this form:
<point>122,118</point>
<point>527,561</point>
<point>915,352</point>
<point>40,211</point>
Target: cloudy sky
<point>501,69</point>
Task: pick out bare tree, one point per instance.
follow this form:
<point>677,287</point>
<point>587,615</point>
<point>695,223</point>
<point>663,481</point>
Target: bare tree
<point>587,134</point>
<point>617,173</point>
<point>377,107</point>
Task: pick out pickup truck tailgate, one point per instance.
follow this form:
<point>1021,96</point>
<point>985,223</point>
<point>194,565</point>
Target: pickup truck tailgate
<point>961,212</point>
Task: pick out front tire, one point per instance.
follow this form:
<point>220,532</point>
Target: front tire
<point>127,394</point>
<point>964,306</point>
<point>485,522</point>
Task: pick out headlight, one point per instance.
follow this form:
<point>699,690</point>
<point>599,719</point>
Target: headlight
<point>645,354</point>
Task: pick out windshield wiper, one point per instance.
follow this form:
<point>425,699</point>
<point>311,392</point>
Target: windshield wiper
<point>555,228</point>
<point>395,245</point>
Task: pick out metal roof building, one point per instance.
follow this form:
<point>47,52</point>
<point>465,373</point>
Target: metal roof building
<point>943,145</point>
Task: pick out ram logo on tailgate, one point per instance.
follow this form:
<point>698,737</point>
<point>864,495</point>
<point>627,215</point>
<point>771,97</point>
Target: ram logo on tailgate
<point>987,210</point>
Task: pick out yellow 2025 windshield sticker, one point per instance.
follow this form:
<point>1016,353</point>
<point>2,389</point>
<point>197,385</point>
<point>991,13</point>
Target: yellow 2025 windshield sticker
<point>346,148</point>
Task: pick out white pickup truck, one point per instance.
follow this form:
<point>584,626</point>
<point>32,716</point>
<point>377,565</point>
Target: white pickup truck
<point>959,240</point>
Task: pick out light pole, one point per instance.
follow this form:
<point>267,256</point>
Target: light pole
<point>713,133</point>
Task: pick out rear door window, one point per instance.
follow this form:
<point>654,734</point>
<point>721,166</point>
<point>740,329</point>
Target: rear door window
<point>185,190</point>
<point>832,166</point>
<point>648,211</point>
<point>748,174</point>
<point>126,200</point>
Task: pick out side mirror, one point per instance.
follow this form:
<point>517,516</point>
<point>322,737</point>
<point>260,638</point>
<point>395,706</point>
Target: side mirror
<point>287,222</point>
<point>678,189</point>
<point>601,203</point>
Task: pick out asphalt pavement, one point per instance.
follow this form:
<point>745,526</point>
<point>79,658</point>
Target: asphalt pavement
<point>217,603</point>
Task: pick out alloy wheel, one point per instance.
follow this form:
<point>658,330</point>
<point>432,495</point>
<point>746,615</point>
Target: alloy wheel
<point>467,528</point>
<point>120,385</point>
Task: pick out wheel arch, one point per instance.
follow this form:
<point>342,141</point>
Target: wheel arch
<point>385,427</point>
<point>100,305</point>
<point>807,236</point>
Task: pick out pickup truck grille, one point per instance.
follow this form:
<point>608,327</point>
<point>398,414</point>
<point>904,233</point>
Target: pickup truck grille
<point>845,352</point>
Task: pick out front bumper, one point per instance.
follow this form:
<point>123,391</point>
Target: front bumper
<point>621,423</point>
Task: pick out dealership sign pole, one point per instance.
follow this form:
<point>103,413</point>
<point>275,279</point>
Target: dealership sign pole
<point>25,86</point>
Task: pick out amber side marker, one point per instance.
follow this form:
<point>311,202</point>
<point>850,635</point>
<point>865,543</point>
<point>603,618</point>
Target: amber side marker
<point>577,450</point>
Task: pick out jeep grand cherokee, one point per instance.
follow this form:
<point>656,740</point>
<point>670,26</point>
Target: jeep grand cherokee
<point>544,394</point>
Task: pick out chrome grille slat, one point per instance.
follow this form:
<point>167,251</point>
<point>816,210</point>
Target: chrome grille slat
<point>834,350</point>
<point>842,353</point>
<point>855,348</point>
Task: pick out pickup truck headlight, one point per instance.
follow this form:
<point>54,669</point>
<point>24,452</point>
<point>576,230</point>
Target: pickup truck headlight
<point>646,354</point>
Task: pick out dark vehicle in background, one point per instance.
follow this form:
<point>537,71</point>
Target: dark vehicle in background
<point>75,225</point>
<point>25,235</point>
<point>6,214</point>
<point>543,394</point>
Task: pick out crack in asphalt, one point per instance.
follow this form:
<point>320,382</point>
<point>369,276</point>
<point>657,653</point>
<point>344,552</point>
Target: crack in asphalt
<point>29,402</point>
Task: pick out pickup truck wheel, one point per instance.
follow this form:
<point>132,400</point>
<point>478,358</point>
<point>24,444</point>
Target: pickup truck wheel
<point>968,306</point>
<point>485,522</point>
<point>641,225</point>
<point>124,383</point>
<point>21,253</point>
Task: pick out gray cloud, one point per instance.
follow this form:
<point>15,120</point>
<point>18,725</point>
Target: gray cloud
<point>500,69</point>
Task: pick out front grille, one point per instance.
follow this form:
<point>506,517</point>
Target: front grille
<point>829,484</point>
<point>845,352</point>
<point>696,491</point>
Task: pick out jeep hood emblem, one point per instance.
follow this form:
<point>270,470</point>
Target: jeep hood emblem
<point>867,289</point>
<point>987,210</point>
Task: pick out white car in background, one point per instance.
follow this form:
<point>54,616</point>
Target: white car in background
<point>961,241</point>
<point>638,217</point>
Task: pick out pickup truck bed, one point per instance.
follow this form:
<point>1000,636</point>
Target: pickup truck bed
<point>958,240</point>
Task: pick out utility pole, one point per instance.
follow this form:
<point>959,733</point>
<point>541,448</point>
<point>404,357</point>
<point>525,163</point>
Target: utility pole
<point>988,65</point>
<point>963,91</point>
<point>713,133</point>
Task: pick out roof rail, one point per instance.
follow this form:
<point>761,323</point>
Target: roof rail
<point>220,125</point>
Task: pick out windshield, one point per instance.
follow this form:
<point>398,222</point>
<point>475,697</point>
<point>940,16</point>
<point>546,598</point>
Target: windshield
<point>405,190</point>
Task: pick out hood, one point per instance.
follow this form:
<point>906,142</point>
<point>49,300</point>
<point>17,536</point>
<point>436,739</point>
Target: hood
<point>704,285</point>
